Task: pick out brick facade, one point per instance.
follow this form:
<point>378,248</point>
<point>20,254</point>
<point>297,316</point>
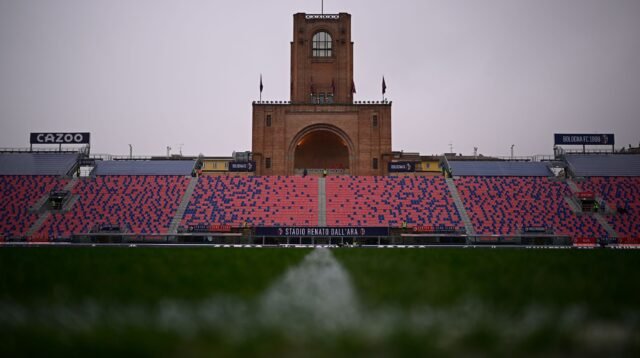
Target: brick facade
<point>364,128</point>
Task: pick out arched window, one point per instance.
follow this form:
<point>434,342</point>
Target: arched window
<point>322,44</point>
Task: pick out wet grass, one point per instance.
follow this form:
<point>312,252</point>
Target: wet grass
<point>599,280</point>
<point>442,302</point>
<point>116,275</point>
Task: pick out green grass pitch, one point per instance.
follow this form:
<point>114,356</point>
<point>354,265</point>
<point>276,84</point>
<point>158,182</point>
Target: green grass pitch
<point>203,301</point>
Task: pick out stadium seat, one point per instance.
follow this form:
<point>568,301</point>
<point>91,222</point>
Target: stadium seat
<point>618,193</point>
<point>141,204</point>
<point>389,201</point>
<point>254,201</point>
<point>506,205</point>
<point>19,194</point>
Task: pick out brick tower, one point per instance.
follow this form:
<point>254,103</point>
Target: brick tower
<point>321,127</point>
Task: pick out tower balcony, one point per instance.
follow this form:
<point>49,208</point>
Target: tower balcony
<point>354,103</point>
<point>322,16</point>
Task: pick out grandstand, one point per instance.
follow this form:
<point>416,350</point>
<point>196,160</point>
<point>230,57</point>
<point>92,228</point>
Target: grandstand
<point>607,165</point>
<point>37,163</point>
<point>511,205</point>
<point>144,167</point>
<point>499,168</point>
<point>254,201</point>
<point>137,204</point>
<point>390,201</point>
<point>622,196</point>
<point>44,199</point>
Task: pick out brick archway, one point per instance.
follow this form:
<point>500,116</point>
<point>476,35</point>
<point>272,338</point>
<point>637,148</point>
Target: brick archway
<point>318,132</point>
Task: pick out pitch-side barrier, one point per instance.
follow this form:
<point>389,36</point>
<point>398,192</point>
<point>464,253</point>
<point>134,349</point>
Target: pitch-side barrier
<point>399,239</point>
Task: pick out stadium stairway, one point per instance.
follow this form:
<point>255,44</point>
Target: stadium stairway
<point>575,208</point>
<point>45,215</point>
<point>322,202</point>
<point>460,206</point>
<point>610,231</point>
<point>573,186</point>
<point>573,204</point>
<point>177,218</point>
<point>599,218</point>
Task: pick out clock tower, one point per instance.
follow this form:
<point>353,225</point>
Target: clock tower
<point>321,127</point>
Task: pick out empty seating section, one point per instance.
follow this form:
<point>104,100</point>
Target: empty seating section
<point>17,195</point>
<point>147,204</point>
<point>506,205</point>
<point>141,204</point>
<point>599,165</point>
<point>499,168</point>
<point>37,163</point>
<point>144,167</point>
<point>618,193</point>
<point>388,201</point>
<point>255,201</point>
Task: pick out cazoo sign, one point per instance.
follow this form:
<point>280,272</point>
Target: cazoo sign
<point>60,138</point>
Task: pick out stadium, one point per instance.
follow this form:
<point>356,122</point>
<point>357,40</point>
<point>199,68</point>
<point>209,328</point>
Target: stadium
<point>322,239</point>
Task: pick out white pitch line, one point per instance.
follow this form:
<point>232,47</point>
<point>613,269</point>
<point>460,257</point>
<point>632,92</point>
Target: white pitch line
<point>316,294</point>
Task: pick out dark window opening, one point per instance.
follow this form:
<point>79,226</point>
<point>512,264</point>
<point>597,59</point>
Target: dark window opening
<point>267,163</point>
<point>268,120</point>
<point>321,45</point>
<point>322,98</point>
<point>375,163</point>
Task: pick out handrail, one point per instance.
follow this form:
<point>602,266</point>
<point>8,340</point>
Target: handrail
<point>81,150</point>
<point>104,156</point>
<point>589,151</point>
<point>447,167</point>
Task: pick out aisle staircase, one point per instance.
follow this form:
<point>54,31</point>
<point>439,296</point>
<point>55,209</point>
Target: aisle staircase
<point>177,218</point>
<point>460,206</point>
<point>46,214</point>
<point>598,216</point>
<point>322,202</point>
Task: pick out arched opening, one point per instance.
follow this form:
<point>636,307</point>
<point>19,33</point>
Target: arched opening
<point>321,149</point>
<point>321,44</point>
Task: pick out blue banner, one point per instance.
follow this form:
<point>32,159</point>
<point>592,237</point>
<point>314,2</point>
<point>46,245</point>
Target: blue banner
<point>314,231</point>
<point>242,166</point>
<point>584,139</point>
<point>402,167</point>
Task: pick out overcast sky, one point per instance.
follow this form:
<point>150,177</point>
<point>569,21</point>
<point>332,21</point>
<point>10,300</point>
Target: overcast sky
<point>469,72</point>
